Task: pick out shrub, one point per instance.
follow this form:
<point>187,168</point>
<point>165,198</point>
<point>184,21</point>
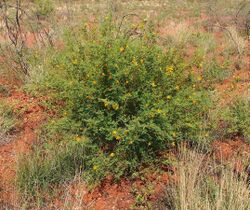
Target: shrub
<point>214,72</point>
<point>123,95</point>
<point>44,7</point>
<point>237,119</point>
<point>128,95</point>
<point>8,121</point>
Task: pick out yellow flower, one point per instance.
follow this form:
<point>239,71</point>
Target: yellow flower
<point>75,61</point>
<point>115,106</point>
<point>200,65</point>
<point>199,78</point>
<point>89,97</point>
<point>134,62</point>
<point>174,134</point>
<point>118,137</point>
<point>130,142</point>
<point>153,84</point>
<point>169,69</point>
<point>78,138</point>
<point>159,111</point>
<point>121,49</point>
<point>177,87</point>
<point>194,101</point>
<point>169,97</point>
<point>95,167</point>
<point>141,25</point>
<point>106,104</point>
<point>112,154</point>
<point>126,82</point>
<point>94,82</point>
<point>65,113</point>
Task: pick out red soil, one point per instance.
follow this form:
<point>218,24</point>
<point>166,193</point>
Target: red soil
<point>32,117</point>
<point>236,152</point>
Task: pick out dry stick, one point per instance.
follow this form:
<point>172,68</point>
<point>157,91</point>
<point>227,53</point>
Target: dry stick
<point>18,7</point>
<point>242,5</point>
<point>15,36</point>
<point>228,31</point>
<point>123,19</point>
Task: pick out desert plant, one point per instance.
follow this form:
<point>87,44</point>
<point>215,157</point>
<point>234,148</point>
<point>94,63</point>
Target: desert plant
<point>214,72</point>
<point>44,8</point>
<point>123,95</point>
<point>237,118</point>
<point>203,184</point>
<point>8,121</point>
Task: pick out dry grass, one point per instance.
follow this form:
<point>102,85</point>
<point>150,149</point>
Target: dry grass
<point>203,184</point>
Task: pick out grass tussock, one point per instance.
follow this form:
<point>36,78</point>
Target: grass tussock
<point>8,122</point>
<point>204,184</point>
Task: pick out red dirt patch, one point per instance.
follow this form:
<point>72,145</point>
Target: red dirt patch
<point>234,151</point>
<point>229,149</point>
<point>32,117</point>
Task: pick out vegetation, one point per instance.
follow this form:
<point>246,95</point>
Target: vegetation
<point>198,188</point>
<point>129,87</point>
<point>236,119</point>
<point>8,121</point>
<point>125,98</point>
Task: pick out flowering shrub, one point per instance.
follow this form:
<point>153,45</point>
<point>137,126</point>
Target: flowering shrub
<point>129,97</point>
<point>124,97</point>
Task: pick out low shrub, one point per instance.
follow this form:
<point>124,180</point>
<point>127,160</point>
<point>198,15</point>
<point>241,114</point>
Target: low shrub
<point>124,95</point>
<point>8,121</point>
<point>237,119</point>
<point>44,7</point>
<point>8,118</point>
<point>214,72</point>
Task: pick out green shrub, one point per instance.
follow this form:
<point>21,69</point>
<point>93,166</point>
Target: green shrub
<point>44,7</point>
<point>128,95</point>
<point>8,119</point>
<point>8,122</point>
<point>125,96</point>
<point>214,72</point>
<point>237,119</point>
